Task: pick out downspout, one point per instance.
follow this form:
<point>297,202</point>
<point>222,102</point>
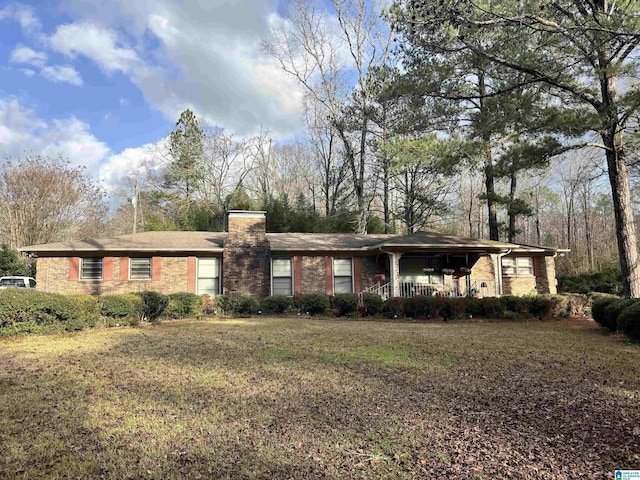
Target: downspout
<point>499,266</point>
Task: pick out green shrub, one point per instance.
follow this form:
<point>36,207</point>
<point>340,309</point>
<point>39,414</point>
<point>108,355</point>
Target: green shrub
<point>312,303</point>
<point>629,320</point>
<point>540,306</point>
<point>345,304</point>
<point>371,304</point>
<point>120,306</point>
<point>85,307</point>
<point>613,310</point>
<point>154,304</point>
<point>25,311</point>
<point>244,306</point>
<point>519,305</point>
<point>475,307</point>
<point>597,311</point>
<point>492,307</point>
<point>417,307</point>
<point>393,307</point>
<point>184,305</point>
<point>278,304</point>
<point>609,280</point>
<point>458,307</point>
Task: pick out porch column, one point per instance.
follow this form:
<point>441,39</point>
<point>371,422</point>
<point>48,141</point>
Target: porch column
<point>394,264</point>
<point>497,273</point>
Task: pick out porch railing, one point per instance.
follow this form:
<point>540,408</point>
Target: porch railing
<point>484,288</point>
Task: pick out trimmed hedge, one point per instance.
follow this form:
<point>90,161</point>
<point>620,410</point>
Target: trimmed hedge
<point>277,304</point>
<point>613,310</point>
<point>371,304</point>
<point>629,320</point>
<point>598,312</point>
<point>312,303</point>
<point>28,311</point>
<point>154,304</point>
<point>123,309</point>
<point>184,305</point>
<point>345,304</point>
<point>244,306</point>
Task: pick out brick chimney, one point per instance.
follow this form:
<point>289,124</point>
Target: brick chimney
<point>246,255</point>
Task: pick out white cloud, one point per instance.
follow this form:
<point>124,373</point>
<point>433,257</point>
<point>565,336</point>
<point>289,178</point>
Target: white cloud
<point>62,74</point>
<point>22,131</point>
<point>26,55</point>
<point>23,14</point>
<point>94,42</point>
<point>206,56</point>
<point>28,72</point>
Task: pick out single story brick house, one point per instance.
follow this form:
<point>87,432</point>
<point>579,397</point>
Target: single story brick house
<point>248,261</point>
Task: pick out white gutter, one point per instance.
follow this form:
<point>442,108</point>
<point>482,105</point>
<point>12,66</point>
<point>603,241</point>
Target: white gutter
<point>499,288</point>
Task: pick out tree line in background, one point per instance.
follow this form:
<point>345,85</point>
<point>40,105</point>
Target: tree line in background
<point>500,120</point>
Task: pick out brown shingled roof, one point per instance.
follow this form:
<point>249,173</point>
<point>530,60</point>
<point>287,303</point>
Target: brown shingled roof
<point>214,241</point>
<point>146,241</point>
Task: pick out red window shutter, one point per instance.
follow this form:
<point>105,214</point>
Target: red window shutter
<point>124,269</point>
<point>192,266</point>
<point>74,269</point>
<point>156,268</point>
<point>297,275</point>
<point>328,271</point>
<point>107,269</point>
<point>357,275</point>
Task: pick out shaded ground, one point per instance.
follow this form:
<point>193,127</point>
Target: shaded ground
<point>292,398</point>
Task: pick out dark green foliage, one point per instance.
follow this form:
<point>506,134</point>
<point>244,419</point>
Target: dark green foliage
<point>28,311</point>
<point>629,320</point>
<point>184,305</point>
<point>12,264</point>
<point>312,303</point>
<point>519,305</point>
<point>85,307</point>
<point>345,304</point>
<point>475,307</point>
<point>458,307</point>
<point>609,280</point>
<point>277,304</point>
<point>371,304</point>
<point>613,310</point>
<point>598,311</point>
<point>540,306</point>
<point>120,306</point>
<point>492,307</point>
<point>154,305</point>
<point>244,306</point>
<point>417,307</point>
<point>393,307</point>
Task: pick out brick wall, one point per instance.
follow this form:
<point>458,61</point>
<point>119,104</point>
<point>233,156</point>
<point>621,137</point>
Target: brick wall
<point>313,274</point>
<point>246,265</point>
<point>522,285</point>
<point>53,275</point>
<point>372,271</point>
<point>546,275</point>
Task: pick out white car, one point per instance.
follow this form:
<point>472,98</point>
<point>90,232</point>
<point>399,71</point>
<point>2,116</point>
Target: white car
<point>17,282</point>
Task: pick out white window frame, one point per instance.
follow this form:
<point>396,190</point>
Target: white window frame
<point>520,266</point>
<point>131,260</point>
<point>81,273</point>
<point>350,259</point>
<point>290,276</point>
<point>219,277</point>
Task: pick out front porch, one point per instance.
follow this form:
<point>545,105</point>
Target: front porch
<point>441,274</point>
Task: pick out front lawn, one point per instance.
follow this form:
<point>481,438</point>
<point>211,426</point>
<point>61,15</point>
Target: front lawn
<point>304,398</point>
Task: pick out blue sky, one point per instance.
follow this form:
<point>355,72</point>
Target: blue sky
<point>103,81</point>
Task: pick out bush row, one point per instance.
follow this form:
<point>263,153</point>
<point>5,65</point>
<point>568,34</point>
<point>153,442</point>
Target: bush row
<point>28,311</point>
<point>510,308</point>
<point>609,280</point>
<point>618,314</point>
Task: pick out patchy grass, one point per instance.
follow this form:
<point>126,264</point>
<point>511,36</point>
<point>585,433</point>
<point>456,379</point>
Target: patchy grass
<point>306,398</point>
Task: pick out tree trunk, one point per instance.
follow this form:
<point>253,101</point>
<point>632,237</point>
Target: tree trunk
<point>623,211</point>
<point>512,211</point>
<point>492,207</point>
